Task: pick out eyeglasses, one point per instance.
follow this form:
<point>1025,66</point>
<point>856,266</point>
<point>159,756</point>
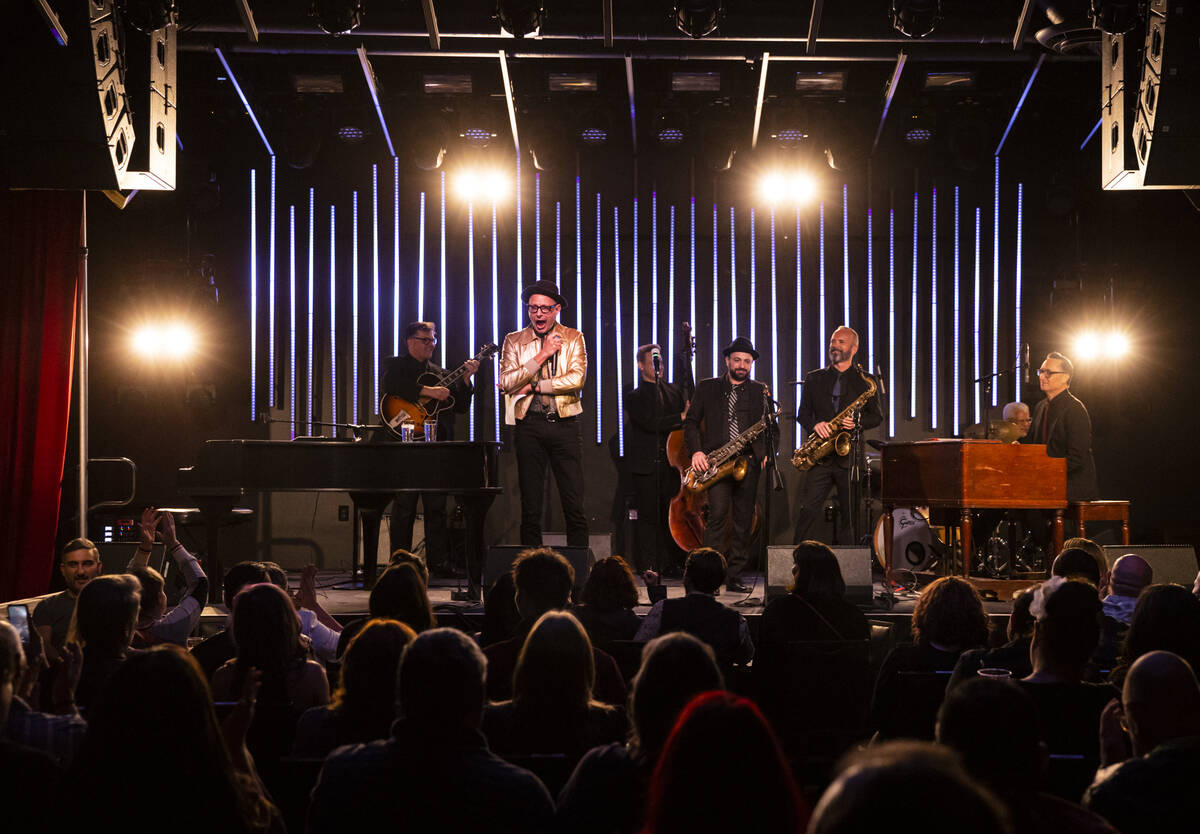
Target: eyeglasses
<point>542,308</point>
<point>1048,372</point>
<point>86,563</point>
<point>429,340</point>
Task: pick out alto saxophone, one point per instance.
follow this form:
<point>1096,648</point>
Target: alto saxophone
<point>816,447</point>
<point>726,460</point>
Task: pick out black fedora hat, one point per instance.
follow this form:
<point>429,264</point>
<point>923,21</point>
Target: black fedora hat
<point>740,345</point>
<point>542,287</point>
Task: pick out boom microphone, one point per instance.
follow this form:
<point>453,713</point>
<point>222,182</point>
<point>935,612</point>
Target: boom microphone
<point>1026,363</point>
<point>657,362</point>
<point>879,376</point>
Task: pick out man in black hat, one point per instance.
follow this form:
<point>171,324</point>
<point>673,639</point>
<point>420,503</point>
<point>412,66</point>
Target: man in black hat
<point>827,392</point>
<point>720,410</point>
<point>542,371</point>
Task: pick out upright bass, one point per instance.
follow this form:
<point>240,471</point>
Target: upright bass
<point>686,515</point>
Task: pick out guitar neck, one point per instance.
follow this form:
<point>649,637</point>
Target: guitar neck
<point>457,374</point>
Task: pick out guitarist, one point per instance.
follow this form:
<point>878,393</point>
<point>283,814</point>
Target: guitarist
<point>400,377</point>
<point>721,409</point>
<point>655,408</point>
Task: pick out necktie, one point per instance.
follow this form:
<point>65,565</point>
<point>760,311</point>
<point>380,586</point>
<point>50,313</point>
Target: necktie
<point>837,394</point>
<point>731,405</point>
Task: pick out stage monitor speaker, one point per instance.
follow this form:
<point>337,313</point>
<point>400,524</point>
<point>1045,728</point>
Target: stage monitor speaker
<point>501,556</point>
<point>855,563</point>
<point>1167,130</point>
<point>1172,563</point>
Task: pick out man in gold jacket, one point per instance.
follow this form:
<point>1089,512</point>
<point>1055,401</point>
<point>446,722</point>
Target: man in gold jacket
<point>542,371</point>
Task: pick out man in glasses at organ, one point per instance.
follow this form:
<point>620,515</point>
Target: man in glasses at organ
<point>542,371</point>
<point>1061,422</point>
<point>405,377</point>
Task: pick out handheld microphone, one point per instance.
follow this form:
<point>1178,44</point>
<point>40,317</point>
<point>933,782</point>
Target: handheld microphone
<point>1026,363</point>
<point>879,376</point>
<point>657,362</point>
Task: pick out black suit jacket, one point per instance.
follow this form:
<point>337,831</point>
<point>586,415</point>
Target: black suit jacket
<point>650,423</point>
<point>816,402</point>
<point>707,423</point>
<point>1068,434</point>
<point>400,375</point>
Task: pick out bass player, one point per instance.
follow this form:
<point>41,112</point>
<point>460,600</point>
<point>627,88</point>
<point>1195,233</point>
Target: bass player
<point>400,378</point>
<point>721,409</point>
<point>826,392</point>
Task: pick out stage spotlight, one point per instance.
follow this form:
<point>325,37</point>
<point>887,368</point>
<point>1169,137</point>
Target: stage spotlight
<point>803,187</point>
<point>495,186</point>
<point>1116,345</point>
<point>351,134</point>
<point>337,17</point>
<point>698,18</point>
<point>179,341</point>
<point>918,130</point>
<point>773,188</point>
<point>147,15</point>
<point>916,18</point>
<point>670,128</point>
<point>520,17</point>
<point>593,136</point>
<point>473,185</point>
<point>173,341</point>
<point>146,341</point>
<point>477,137</point>
<point>787,188</point>
<point>1088,346</point>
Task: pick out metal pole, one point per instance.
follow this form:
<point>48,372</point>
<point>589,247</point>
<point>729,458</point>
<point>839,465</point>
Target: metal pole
<point>82,376</point>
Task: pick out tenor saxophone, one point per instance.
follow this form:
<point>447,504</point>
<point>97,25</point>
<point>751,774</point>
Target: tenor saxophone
<point>815,447</point>
<point>726,461</point>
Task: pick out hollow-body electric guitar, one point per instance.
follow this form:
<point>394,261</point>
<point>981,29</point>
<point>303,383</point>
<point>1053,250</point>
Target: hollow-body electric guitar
<point>395,411</point>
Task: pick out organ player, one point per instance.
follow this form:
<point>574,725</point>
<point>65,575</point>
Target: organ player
<point>1061,422</point>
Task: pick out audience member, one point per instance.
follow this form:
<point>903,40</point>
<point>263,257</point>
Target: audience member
<point>552,710</point>
<point>1064,638</point>
<point>700,614</point>
<point>436,767</point>
<point>58,735</point>
<point>1166,618</point>
<point>500,616</point>
<point>79,564</point>
<point>543,579</point>
<point>947,620</point>
<point>401,556</point>
<point>363,706</point>
<point>1013,655</point>
<point>28,786</point>
<point>1160,706</point>
<point>1130,576</point>
<point>266,632</point>
<point>993,725</point>
<point>1097,553</point>
<point>695,790</point>
<point>216,650</point>
<point>399,594</point>
<point>102,626</point>
<point>908,786</point>
<point>156,623</point>
<point>317,626</point>
<point>1078,563</point>
<point>606,604</point>
<point>156,713</point>
<point>607,791</point>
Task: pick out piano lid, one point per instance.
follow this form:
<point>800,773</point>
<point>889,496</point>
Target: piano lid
<point>972,473</point>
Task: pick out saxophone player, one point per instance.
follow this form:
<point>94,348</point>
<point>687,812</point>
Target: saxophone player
<point>721,409</point>
<point>826,392</point>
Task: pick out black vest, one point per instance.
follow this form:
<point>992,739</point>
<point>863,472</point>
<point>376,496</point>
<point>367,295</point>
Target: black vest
<point>705,619</point>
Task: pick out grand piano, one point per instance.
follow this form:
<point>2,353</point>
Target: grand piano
<point>372,473</point>
<point>954,477</point>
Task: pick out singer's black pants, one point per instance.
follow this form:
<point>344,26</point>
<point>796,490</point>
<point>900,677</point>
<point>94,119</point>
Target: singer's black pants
<point>732,502</point>
<point>557,444</point>
<point>817,484</point>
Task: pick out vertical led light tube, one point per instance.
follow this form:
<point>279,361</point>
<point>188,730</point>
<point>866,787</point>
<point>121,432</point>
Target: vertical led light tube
<point>599,353</point>
<point>845,254</point>
<point>774,316</point>
<point>374,289</point>
<point>753,280</point>
<point>716,300</point>
<point>354,309</point>
<point>443,336</point>
<point>692,290</point>
<point>799,319</point>
<point>636,311</point>
<point>578,258</point>
<point>933,317</point>
<point>291,406</point>
<point>421,262</point>
<point>537,225</point>
<point>654,267</point>
<point>253,296</point>
<point>312,320</point>
<point>471,304</point>
<point>912,358</point>
<point>733,299</point>
<point>557,243</point>
<point>671,299</point>
<point>891,322</point>
<point>1017,293</point>
<point>333,317</point>
<point>271,295</point>
<point>978,373</point>
<point>870,293</point>
<point>521,257</point>
<point>495,327</point>
<point>957,323</point>
<point>996,286</point>
<point>395,260</point>
<point>821,285</point>
<point>617,318</point>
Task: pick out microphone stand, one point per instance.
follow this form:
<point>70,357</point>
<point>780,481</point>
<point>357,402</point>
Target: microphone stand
<point>775,485</point>
<point>658,461</point>
<point>360,429</point>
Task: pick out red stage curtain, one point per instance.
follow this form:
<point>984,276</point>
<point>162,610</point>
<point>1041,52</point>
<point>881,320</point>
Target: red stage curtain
<point>39,280</point>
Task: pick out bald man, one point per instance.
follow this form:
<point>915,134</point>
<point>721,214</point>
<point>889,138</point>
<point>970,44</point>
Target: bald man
<point>1129,576</point>
<point>1153,792</point>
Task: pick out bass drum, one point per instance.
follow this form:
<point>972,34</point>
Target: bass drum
<point>914,545</point>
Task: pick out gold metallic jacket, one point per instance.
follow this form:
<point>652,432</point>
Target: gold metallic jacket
<point>519,349</point>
